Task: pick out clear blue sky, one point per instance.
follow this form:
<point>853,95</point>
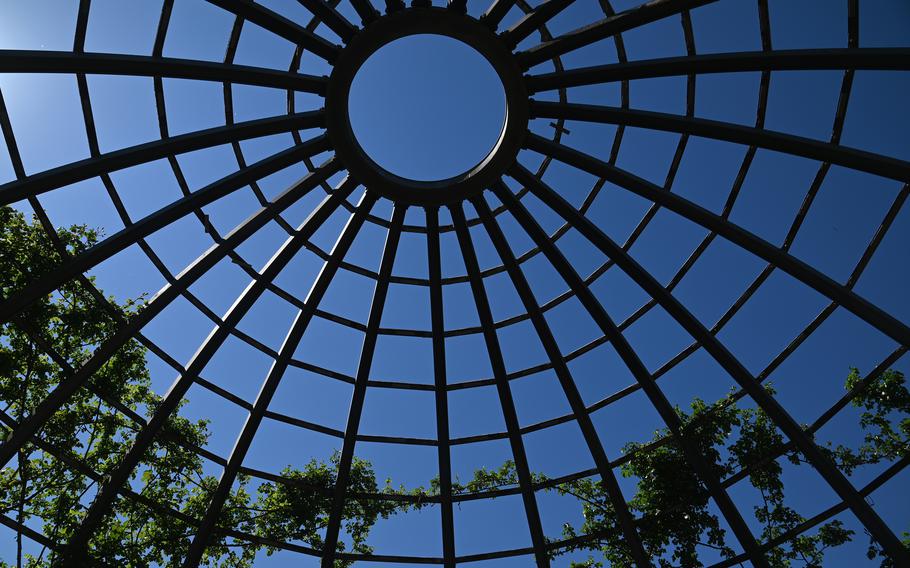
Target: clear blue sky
<point>440,116</point>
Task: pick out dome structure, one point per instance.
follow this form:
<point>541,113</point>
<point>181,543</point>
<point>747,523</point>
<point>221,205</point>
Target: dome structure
<point>687,199</point>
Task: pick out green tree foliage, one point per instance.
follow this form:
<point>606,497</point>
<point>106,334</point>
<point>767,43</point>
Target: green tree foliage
<point>51,482</point>
<point>675,519</point>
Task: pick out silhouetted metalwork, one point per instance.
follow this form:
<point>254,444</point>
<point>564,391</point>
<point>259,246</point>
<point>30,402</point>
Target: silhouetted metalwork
<point>520,80</point>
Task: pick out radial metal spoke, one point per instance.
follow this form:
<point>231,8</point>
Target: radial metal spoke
<point>61,394</point>
<point>270,385</point>
<point>118,478</point>
<point>893,59</point>
<point>496,12</point>
<point>610,26</point>
<point>567,382</point>
<point>367,351</point>
<point>79,264</point>
<point>314,32</point>
<point>820,461</point>
<point>365,10</point>
<point>331,17</point>
<point>881,320</point>
<point>700,464</point>
<point>31,533</point>
<point>45,181</point>
<point>394,6</point>
<point>23,61</point>
<point>718,130</point>
<point>502,386</point>
<point>434,270</point>
<point>281,26</point>
<point>789,535</point>
<point>533,21</point>
<point>81,25</point>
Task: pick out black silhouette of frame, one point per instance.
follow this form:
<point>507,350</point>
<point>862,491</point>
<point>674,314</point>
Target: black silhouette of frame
<point>499,47</point>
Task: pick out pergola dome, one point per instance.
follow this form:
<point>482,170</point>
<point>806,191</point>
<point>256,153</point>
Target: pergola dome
<point>625,248</point>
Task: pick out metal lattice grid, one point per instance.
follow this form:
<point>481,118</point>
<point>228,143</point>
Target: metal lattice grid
<point>478,205</point>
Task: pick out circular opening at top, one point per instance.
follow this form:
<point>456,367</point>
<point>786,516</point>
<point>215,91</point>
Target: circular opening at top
<point>427,107</point>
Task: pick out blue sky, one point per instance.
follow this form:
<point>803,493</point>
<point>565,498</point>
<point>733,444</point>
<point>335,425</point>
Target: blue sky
<point>439,116</point>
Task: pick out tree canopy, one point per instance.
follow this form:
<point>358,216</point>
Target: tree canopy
<point>54,480</point>
<point>673,507</point>
<point>54,477</point>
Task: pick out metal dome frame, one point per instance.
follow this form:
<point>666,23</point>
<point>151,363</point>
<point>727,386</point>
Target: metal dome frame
<point>402,20</point>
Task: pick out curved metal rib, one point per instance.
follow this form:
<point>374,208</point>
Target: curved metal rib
<point>533,20</point>
<point>365,10</point>
<point>496,12</point>
<point>118,478</point>
<point>765,61</point>
<point>58,397</point>
<point>367,351</point>
<point>45,181</point>
<point>700,465</point>
<point>281,26</point>
<point>331,17</point>
<point>834,477</point>
<point>719,130</point>
<point>881,320</point>
<point>893,59</point>
<point>566,381</point>
<point>270,385</point>
<point>133,233</point>
<point>24,61</point>
<point>609,26</point>
<point>434,271</point>
<point>502,386</point>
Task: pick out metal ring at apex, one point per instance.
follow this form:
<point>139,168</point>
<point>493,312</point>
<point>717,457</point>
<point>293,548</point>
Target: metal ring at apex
<point>414,21</point>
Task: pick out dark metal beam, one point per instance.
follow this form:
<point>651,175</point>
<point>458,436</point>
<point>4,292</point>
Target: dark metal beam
<point>787,536</point>
<point>367,351</point>
<point>437,322</point>
<point>577,404</point>
<point>609,26</point>
<point>394,6</point>
<point>81,25</point>
<point>226,73</point>
<point>533,20</point>
<point>79,264</point>
<point>778,141</point>
<point>281,26</point>
<point>881,320</point>
<point>42,182</point>
<point>822,463</point>
<point>63,391</point>
<point>502,385</point>
<point>700,464</point>
<point>119,476</point>
<point>331,17</point>
<point>365,10</point>
<point>210,519</point>
<point>892,59</point>
<point>23,61</point>
<point>496,12</point>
